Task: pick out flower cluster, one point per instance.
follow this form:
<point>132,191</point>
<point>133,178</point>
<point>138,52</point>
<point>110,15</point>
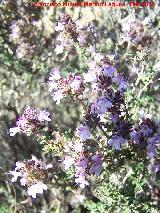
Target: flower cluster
<point>33,174</point>
<point>21,31</point>
<point>136,35</point>
<point>31,121</point>
<point>17,30</point>
<point>70,86</point>
<point>146,135</point>
<point>24,49</point>
<point>85,165</point>
<point>71,32</point>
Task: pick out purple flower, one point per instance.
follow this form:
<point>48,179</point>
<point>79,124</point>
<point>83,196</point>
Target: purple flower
<point>152,147</point>
<point>155,139</point>
<point>82,162</point>
<point>101,106</point>
<point>114,117</point>
<point>156,168</point>
<point>146,130</point>
<point>151,150</point>
<point>96,166</point>
<point>82,40</point>
<point>122,85</point>
<point>30,121</point>
<point>83,132</point>
<point>109,71</point>
<point>116,141</point>
<point>135,136</point>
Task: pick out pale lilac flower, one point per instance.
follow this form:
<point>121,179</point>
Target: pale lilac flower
<point>68,162</point>
<point>81,178</point>
<point>19,165</point>
<point>24,51</point>
<point>32,174</point>
<point>83,132</point>
<point>90,77</point>
<point>82,40</point>
<point>55,75</point>
<point>59,49</point>
<point>39,163</point>
<point>78,147</point>
<point>44,116</point>
<point>98,57</point>
<point>23,181</point>
<point>15,175</point>
<point>52,85</point>
<point>116,141</point>
<point>17,30</point>
<point>13,131</point>
<point>81,198</point>
<point>57,96</point>
<point>81,181</point>
<point>76,83</point>
<point>59,27</point>
<point>143,115</point>
<point>37,188</point>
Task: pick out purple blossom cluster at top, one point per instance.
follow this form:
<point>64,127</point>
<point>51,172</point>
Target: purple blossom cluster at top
<point>30,121</point>
<point>71,32</point>
<point>101,76</point>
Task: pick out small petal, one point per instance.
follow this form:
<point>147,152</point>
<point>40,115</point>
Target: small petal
<point>57,96</point>
<point>59,27</point>
<point>13,131</point>
<point>44,116</point>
